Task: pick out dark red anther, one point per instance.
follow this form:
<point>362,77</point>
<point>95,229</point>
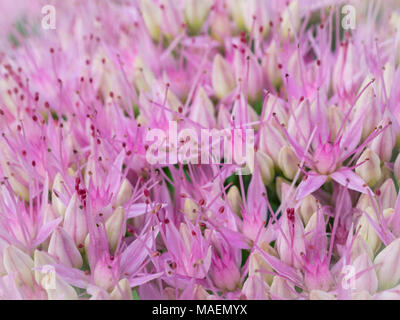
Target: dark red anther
<point>1,112</point>
<point>24,153</point>
<point>202,202</point>
<point>221,209</point>
<point>378,192</point>
<point>146,193</point>
<point>280,66</point>
<point>46,105</point>
<point>166,221</point>
<point>34,118</point>
<point>80,246</point>
<point>112,94</point>
<point>194,233</point>
<point>290,214</point>
<point>33,163</point>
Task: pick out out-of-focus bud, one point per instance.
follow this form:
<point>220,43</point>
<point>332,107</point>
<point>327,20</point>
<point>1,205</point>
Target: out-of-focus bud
<point>321,295</point>
<point>143,76</point>
<point>234,199</point>
<point>18,185</point>
<point>202,110</point>
<point>238,8</point>
<point>266,166</point>
<point>367,231</point>
<point>388,194</point>
<point>290,20</point>
<point>248,69</point>
<point>62,291</point>
<point>58,187</point>
<point>259,266</point>
<point>387,264</point>
<point>367,108</point>
<point>40,259</point>
<point>190,209</point>
<point>3,246</point>
<point>335,120</point>
<point>367,280</point>
<point>114,225</point>
<point>122,291</point>
<point>281,289</point>
<point>343,80</point>
<point>63,248</point>
<point>220,26</point>
<point>270,65</point>
<point>370,170</point>
<point>196,13</point>
<point>384,143</point>
<point>124,193</point>
<point>15,260</point>
<point>384,87</point>
<point>397,169</point>
<point>200,293</point>
<point>222,77</point>
<point>75,221</point>
<point>307,208</point>
<point>257,17</point>
<point>152,17</point>
<point>288,162</point>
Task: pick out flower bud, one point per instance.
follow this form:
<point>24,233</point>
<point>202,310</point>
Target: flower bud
<point>220,27</point>
<point>397,169</point>
<point>387,264</point>
<point>191,209</point>
<point>58,187</point>
<point>104,274</point>
<point>367,231</point>
<point>259,266</point>
<point>266,166</point>
<point>307,208</point>
<point>321,295</point>
<point>63,248</point>
<point>288,162</point>
<point>257,17</point>
<point>384,143</point>
<point>202,110</point>
<point>62,291</point>
<point>388,194</point>
<point>370,171</point>
<point>290,20</point>
<point>271,142</point>
<point>41,259</point>
<point>152,17</point>
<point>122,291</point>
<point>280,288</point>
<point>124,194</point>
<point>238,8</point>
<point>270,65</point>
<point>196,13</point>
<point>114,226</point>
<point>75,220</point>
<point>225,273</point>
<point>367,280</point>
<point>234,199</point>
<point>223,80</point>
<point>15,260</point>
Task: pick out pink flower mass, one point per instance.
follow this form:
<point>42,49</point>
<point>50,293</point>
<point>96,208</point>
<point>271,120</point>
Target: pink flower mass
<point>313,210</point>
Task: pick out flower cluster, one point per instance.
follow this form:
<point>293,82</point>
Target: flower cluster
<point>84,215</point>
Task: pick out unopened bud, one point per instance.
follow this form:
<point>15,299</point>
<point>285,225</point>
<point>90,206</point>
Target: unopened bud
<point>266,166</point>
<point>307,208</point>
<point>115,227</point>
<point>191,209</point>
<point>75,220</point>
<point>63,247</point>
<point>124,193</point>
<point>122,291</point>
<point>17,261</point>
<point>370,170</point>
<point>367,231</point>
<point>387,264</point>
<point>288,162</point>
<point>222,77</point>
<point>234,199</point>
<point>196,13</point>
